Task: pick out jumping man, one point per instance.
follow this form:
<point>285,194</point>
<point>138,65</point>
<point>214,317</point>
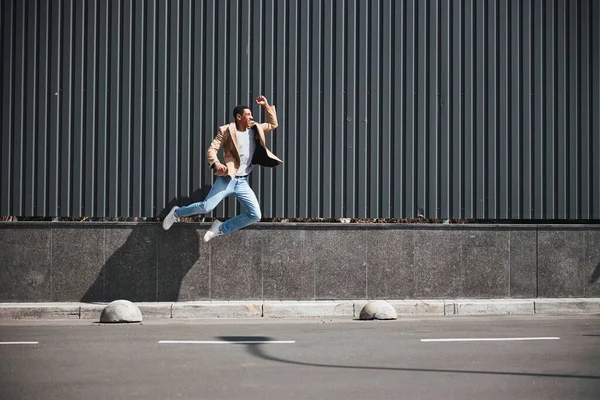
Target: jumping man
<point>243,143</point>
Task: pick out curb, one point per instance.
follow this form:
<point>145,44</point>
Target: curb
<point>305,309</point>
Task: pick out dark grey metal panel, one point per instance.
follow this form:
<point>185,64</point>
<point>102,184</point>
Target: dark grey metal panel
<point>448,109</point>
<point>594,88</point>
<point>338,122</point>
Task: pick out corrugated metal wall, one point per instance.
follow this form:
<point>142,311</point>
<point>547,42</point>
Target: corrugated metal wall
<point>462,109</point>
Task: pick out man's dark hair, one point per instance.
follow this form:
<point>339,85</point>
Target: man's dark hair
<point>239,110</point>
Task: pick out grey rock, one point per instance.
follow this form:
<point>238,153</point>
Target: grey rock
<point>289,272</point>
<point>559,264</point>
<point>378,309</point>
<point>73,246</point>
<point>340,265</point>
<point>121,311</point>
<point>25,264</point>
<point>523,268</point>
<point>233,277</point>
<point>390,264</point>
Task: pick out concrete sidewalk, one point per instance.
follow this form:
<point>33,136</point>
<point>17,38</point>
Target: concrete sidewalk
<point>301,309</point>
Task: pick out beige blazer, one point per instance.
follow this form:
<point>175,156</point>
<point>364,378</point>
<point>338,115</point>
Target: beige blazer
<point>227,139</point>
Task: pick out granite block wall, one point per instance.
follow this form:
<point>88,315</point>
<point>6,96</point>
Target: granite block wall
<point>101,262</point>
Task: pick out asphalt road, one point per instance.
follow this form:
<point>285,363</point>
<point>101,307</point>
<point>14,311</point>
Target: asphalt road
<point>502,357</point>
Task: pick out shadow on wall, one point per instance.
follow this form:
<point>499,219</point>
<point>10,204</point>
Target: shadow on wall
<point>148,264</point>
<point>595,275</point>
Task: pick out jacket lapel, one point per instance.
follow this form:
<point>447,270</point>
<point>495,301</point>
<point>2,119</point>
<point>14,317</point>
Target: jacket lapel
<point>233,134</point>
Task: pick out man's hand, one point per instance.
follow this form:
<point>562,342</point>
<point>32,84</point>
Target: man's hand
<point>220,167</point>
<point>262,101</point>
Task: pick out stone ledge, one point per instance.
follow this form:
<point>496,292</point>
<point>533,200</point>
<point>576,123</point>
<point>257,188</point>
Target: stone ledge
<point>419,307</point>
<point>567,306</point>
<point>306,309</point>
<point>156,310</point>
<point>493,307</point>
<point>217,309</point>
<point>40,311</point>
<point>91,311</point>
<point>291,309</point>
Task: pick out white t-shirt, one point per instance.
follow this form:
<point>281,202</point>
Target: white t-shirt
<point>246,144</point>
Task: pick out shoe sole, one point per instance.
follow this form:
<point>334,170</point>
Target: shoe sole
<point>166,228</point>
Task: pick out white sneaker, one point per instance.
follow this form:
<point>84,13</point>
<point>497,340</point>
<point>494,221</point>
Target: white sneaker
<point>214,231</point>
<point>170,219</point>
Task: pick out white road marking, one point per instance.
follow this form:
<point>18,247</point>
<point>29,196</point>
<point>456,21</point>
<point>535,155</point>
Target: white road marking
<point>19,342</point>
<point>489,339</point>
<point>226,342</point>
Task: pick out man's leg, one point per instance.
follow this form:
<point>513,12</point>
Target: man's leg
<point>223,187</point>
<point>244,193</point>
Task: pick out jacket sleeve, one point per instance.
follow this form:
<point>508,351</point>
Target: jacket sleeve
<point>215,145</point>
<point>271,119</point>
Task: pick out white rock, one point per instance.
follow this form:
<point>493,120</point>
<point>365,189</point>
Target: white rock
<point>378,309</point>
<point>121,311</point>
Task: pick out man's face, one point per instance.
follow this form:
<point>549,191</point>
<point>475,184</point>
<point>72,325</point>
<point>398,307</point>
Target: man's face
<point>245,118</point>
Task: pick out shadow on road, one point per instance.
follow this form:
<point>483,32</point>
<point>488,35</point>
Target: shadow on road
<point>257,350</point>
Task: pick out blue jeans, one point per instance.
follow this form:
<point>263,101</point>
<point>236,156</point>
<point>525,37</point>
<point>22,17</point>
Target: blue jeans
<point>223,187</point>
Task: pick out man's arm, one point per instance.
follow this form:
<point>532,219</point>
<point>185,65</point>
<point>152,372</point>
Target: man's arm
<point>213,150</point>
<point>271,114</point>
